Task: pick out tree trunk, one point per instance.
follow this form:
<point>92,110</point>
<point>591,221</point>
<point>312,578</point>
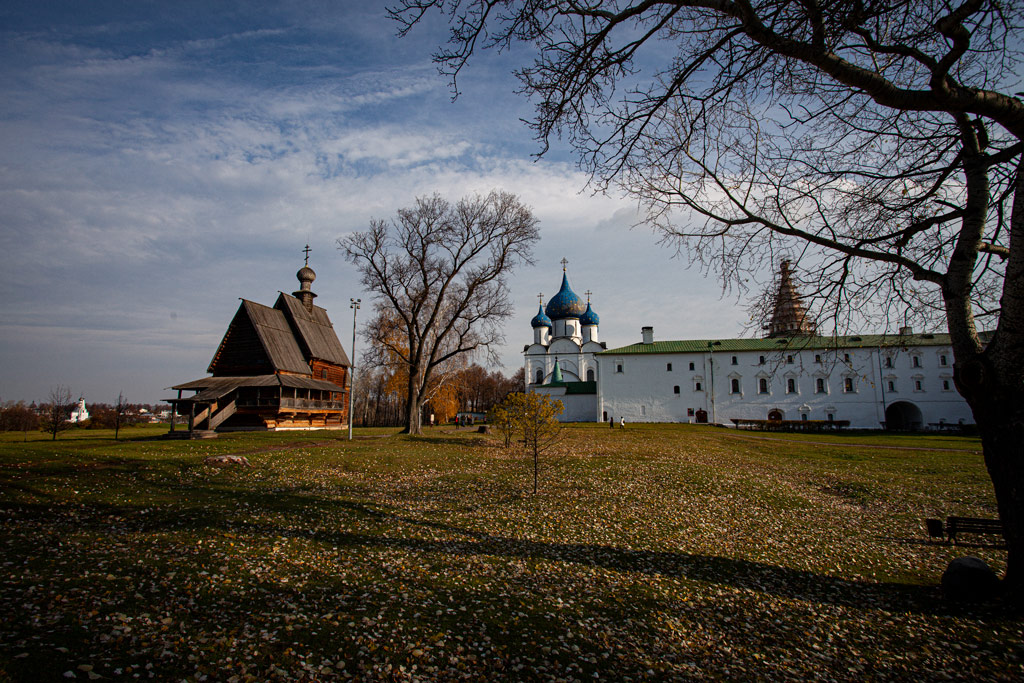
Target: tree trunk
<point>413,407</point>
<point>998,406</point>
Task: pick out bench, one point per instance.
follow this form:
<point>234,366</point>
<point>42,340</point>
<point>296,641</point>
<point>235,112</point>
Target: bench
<point>963,525</point>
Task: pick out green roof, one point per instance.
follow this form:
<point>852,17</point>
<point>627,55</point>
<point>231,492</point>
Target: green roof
<point>782,344</point>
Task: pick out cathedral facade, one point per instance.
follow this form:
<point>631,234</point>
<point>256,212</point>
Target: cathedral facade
<point>792,375</point>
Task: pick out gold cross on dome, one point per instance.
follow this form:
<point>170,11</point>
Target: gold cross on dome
<point>540,298</point>
<point>588,293</point>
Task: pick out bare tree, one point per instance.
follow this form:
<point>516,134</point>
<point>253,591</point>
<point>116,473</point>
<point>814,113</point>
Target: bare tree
<point>879,144</point>
<point>120,413</point>
<point>438,274</point>
<point>56,417</point>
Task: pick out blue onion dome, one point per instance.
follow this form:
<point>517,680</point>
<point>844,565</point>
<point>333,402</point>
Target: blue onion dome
<point>589,317</point>
<point>565,304</point>
<point>540,320</point>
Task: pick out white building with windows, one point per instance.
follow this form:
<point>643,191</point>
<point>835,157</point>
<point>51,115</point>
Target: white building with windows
<point>897,381</point>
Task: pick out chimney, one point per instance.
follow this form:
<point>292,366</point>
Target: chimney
<point>648,334</point>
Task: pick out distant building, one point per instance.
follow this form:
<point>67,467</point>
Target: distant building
<point>893,381</point>
<point>277,368</point>
<point>78,412</point>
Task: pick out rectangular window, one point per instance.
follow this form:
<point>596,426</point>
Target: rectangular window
<point>790,386</point>
<point>734,386</point>
<point>735,361</point>
<point>762,386</point>
<point>668,367</point>
<point>618,367</point>
<point>846,358</point>
<point>848,385</point>
<point>760,360</point>
<point>697,387</point>
<point>945,385</point>
<point>675,390</point>
<point>943,361</point>
<point>691,366</point>
<point>917,385</point>
<point>819,385</point>
<point>789,359</point>
<point>892,386</point>
<point>817,358</point>
<point>888,361</point>
<point>917,361</point>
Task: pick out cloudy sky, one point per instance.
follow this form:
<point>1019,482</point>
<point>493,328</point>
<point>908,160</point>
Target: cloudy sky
<point>160,160</point>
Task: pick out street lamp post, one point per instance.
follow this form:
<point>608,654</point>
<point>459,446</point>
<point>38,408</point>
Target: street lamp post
<point>354,305</point>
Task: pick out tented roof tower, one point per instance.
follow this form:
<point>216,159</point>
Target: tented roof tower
<point>789,316</point>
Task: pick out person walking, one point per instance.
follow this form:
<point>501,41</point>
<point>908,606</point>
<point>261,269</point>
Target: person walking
<point>622,422</point>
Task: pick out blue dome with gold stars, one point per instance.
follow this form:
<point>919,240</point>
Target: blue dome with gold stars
<point>589,317</point>
<point>540,320</point>
<point>565,304</point>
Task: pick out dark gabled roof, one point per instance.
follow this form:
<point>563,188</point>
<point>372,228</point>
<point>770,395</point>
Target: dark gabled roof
<point>575,387</point>
<point>273,334</point>
<point>783,344</point>
<point>214,387</point>
<point>313,330</point>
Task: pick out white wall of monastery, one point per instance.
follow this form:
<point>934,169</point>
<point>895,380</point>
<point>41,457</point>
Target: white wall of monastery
<point>855,384</point>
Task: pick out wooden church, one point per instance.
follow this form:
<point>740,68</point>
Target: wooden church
<point>277,368</point>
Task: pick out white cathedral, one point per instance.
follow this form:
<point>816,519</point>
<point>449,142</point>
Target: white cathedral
<point>871,381</point>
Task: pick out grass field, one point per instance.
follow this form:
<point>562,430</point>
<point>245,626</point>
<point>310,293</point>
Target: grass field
<point>655,553</point>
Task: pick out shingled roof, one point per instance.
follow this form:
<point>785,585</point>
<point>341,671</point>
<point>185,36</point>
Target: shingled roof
<point>313,330</point>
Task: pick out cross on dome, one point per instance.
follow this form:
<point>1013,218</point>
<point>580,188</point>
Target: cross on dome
<point>564,263</point>
<point>306,251</point>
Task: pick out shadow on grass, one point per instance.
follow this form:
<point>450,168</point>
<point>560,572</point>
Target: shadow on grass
<point>782,582</point>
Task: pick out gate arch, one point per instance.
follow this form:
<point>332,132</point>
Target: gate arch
<point>903,416</point>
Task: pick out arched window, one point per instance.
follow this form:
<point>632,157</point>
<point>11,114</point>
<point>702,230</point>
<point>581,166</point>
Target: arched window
<point>789,359</point>
<point>735,361</point>
<point>848,385</point>
<point>590,375</point>
<point>668,367</point>
<point>735,386</point>
<point>760,360</point>
<point>888,361</point>
<point>691,366</point>
<point>892,385</point>
<point>762,386</point>
<point>917,361</point>
<point>790,386</point>
<point>819,385</point>
<point>540,376</point>
<point>943,361</point>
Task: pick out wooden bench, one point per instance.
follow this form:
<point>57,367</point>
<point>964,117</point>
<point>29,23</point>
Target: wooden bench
<point>972,525</point>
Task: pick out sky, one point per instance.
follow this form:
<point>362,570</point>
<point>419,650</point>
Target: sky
<point>161,160</point>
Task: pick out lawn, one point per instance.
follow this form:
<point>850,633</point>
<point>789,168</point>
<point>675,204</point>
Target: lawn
<point>659,552</point>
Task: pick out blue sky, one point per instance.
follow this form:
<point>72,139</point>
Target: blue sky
<point>160,160</point>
